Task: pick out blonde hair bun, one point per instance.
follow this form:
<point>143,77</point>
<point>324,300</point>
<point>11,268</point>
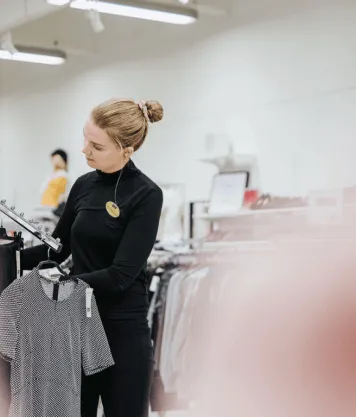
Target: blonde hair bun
<point>126,121</point>
<point>154,110</point>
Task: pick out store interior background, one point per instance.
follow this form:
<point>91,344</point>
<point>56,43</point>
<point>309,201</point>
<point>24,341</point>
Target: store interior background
<point>278,78</point>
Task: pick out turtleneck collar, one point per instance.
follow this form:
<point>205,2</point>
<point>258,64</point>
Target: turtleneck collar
<point>112,176</point>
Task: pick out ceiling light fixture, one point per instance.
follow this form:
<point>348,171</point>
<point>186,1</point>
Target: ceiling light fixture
<point>35,55</point>
<point>58,2</point>
<point>149,11</point>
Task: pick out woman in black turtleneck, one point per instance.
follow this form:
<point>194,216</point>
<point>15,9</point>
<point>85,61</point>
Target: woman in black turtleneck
<point>109,225</point>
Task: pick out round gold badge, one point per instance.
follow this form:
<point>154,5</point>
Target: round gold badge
<point>112,209</point>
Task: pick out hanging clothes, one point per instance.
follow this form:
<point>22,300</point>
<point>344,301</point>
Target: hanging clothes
<point>186,302</point>
<point>10,269</point>
<point>48,343</point>
<point>160,400</point>
<point>9,263</point>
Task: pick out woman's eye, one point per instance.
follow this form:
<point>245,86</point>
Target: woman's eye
<point>97,148</point>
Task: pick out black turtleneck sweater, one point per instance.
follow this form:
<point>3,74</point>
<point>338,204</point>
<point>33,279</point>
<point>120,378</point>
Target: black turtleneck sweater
<point>110,254</point>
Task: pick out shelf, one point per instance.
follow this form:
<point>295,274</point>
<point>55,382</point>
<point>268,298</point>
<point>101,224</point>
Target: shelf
<point>247,212</point>
<point>240,244</point>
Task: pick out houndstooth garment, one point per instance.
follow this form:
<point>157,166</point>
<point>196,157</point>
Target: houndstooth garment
<point>48,343</point>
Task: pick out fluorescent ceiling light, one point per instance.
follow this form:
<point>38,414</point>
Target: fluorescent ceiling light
<point>58,2</point>
<point>149,11</point>
<point>35,55</point>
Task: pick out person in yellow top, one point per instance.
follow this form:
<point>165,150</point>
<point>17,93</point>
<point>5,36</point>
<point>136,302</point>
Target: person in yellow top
<point>55,190</point>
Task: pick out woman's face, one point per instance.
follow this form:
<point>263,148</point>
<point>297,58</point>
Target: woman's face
<point>101,152</point>
<point>58,162</point>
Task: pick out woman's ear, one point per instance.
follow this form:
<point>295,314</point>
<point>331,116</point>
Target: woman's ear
<point>128,152</point>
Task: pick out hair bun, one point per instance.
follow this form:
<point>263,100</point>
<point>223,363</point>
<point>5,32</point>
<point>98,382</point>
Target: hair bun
<point>154,110</point>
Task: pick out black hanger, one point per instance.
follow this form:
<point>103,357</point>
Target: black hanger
<point>64,277</point>
<point>18,239</point>
<point>54,264</point>
<point>50,262</point>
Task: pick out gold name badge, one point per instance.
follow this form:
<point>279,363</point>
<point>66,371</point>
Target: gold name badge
<point>112,209</point>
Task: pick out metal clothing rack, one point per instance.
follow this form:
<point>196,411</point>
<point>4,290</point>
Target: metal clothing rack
<point>36,231</point>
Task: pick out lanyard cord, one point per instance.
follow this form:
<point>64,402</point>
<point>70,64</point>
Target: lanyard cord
<point>117,183</point>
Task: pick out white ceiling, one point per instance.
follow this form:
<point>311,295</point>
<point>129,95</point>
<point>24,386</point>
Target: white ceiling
<point>16,12</point>
<point>123,41</point>
<point>127,39</point>
<point>70,30</point>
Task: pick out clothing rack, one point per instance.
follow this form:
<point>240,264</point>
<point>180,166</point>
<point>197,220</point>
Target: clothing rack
<point>28,225</point>
<point>200,247</point>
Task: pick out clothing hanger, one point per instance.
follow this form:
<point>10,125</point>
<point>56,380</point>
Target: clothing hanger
<point>54,264</point>
<point>50,262</point>
<point>64,277</point>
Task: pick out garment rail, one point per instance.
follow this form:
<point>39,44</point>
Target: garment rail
<point>36,231</point>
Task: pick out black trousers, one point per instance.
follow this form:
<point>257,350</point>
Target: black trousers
<point>125,387</point>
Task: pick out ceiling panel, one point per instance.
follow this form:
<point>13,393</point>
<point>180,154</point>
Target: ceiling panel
<point>16,12</point>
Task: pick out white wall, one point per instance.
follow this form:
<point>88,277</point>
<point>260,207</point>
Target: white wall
<point>284,90</point>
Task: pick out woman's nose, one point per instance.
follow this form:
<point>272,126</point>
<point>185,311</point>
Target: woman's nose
<point>85,148</point>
